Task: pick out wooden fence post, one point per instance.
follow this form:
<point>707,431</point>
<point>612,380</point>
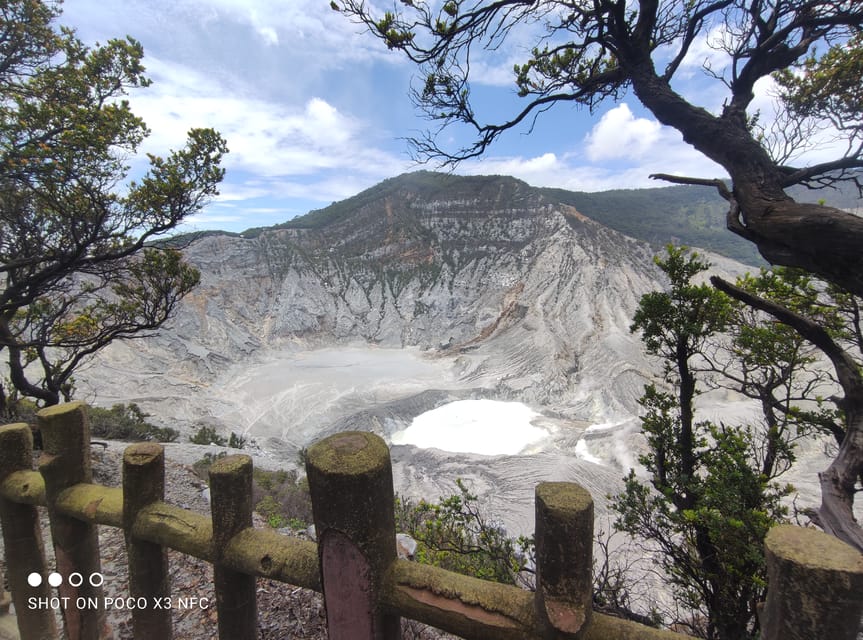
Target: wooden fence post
<point>143,484</point>
<point>351,483</point>
<point>231,507</point>
<point>564,558</point>
<point>5,596</point>
<point>22,540</point>
<point>65,462</point>
<point>814,586</point>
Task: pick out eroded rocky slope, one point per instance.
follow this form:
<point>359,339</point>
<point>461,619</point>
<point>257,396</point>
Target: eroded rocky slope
<point>527,297</point>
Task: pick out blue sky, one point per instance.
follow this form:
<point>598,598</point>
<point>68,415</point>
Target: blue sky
<point>314,110</point>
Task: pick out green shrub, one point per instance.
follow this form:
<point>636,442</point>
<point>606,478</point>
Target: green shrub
<point>282,497</point>
<point>236,441</point>
<point>207,435</point>
<point>16,408</point>
<point>454,534</point>
<point>202,466</point>
<point>127,422</point>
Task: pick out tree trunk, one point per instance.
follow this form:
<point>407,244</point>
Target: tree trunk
<point>820,239</point>
<point>836,514</point>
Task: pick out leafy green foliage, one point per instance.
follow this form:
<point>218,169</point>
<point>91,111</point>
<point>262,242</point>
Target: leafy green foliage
<point>202,466</point>
<point>236,441</point>
<point>127,422</point>
<point>454,534</point>
<point>675,324</point>
<point>712,496</point>
<point>77,271</point>
<point>283,498</point>
<point>208,435</point>
<point>829,86</point>
<point>687,215</point>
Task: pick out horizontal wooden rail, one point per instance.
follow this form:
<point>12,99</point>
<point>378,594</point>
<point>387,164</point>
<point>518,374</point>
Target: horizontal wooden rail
<point>457,604</point>
<point>259,552</point>
<point>24,487</point>
<point>473,608</point>
<point>366,589</point>
<point>92,503</point>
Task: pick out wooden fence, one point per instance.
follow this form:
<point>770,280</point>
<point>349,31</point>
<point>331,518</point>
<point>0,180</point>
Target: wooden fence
<point>815,590</point>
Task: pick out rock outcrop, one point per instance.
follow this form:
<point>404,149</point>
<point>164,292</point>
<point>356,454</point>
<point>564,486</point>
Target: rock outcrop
<point>532,299</point>
<point>425,289</point>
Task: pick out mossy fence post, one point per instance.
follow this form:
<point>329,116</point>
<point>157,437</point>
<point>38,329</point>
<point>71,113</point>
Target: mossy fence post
<point>351,483</point>
<point>564,558</point>
<point>815,586</point>
<point>143,484</point>
<point>22,539</point>
<point>65,462</point>
<point>231,508</point>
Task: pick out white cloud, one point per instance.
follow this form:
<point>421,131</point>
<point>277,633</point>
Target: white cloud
<point>709,51</point>
<point>619,134</point>
<point>532,170</point>
<point>269,35</point>
<point>265,138</point>
<point>620,152</point>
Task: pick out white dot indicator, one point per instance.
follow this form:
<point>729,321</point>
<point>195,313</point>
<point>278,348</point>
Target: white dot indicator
<point>34,579</point>
<point>55,579</point>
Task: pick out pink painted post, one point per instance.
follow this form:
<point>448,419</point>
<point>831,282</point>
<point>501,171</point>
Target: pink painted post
<point>351,483</point>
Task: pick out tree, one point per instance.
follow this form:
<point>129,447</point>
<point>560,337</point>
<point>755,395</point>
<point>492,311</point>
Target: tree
<point>590,52</point>
<point>839,340</point>
<point>78,268</point>
<point>586,53</point>
<point>711,498</point>
<point>454,534</point>
<point>775,365</point>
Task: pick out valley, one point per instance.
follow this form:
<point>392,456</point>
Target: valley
<point>423,291</point>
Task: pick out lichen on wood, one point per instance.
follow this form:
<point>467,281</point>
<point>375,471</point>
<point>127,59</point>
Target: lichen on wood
<point>16,448</point>
<point>460,604</point>
<point>24,487</point>
<point>92,503</point>
<point>815,585</point>
<point>268,554</point>
<point>186,531</point>
<point>564,555</point>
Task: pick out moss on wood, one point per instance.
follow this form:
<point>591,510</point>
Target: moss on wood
<point>92,503</point>
<point>24,487</point>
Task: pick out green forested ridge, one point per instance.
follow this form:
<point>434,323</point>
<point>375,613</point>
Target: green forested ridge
<point>693,216</point>
<point>688,215</point>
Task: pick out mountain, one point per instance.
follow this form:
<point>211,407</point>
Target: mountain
<point>521,293</point>
<point>689,215</point>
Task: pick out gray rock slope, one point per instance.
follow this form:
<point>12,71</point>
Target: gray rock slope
<point>531,299</point>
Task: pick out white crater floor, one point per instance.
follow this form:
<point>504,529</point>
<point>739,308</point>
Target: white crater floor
<point>294,395</point>
<point>485,427</point>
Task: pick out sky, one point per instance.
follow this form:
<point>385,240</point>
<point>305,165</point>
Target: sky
<point>314,109</point>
